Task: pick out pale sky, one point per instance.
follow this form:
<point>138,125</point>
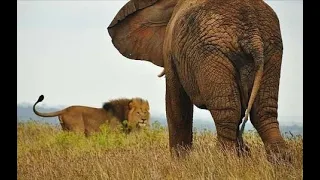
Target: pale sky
<point>65,53</point>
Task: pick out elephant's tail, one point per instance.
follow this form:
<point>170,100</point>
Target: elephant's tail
<point>52,114</point>
<point>256,50</point>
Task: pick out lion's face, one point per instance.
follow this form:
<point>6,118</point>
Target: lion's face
<point>139,114</point>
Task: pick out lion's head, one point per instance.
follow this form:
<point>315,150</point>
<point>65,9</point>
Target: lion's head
<point>139,115</point>
<point>133,113</point>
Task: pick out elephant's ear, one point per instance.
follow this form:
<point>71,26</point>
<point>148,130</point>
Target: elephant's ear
<point>137,31</point>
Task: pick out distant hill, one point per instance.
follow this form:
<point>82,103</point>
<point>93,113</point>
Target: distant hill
<point>25,113</point>
<point>201,124</point>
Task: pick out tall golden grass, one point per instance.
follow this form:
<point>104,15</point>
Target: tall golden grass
<point>45,152</point>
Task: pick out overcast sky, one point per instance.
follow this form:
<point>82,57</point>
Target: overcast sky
<point>65,53</point>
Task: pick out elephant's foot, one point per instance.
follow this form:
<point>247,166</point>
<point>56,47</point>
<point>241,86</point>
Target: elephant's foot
<point>233,147</point>
<point>243,150</point>
<point>180,145</point>
<point>180,151</point>
<point>276,148</point>
<point>278,153</point>
<point>230,141</point>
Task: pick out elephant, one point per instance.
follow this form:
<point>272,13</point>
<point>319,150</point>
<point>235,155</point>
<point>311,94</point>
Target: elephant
<point>220,55</point>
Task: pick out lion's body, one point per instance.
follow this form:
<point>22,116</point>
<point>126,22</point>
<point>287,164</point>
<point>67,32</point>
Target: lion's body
<point>86,119</point>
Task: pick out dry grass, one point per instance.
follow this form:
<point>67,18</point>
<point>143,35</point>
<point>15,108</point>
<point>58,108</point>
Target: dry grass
<point>45,152</point>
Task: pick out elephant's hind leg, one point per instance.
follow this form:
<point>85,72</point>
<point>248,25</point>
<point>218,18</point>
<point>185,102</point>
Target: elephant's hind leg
<point>179,110</point>
<point>219,90</point>
<point>265,110</point>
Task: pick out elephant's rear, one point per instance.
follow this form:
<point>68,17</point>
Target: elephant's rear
<point>227,26</point>
<point>246,32</point>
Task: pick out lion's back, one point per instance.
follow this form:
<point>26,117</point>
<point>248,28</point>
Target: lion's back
<point>77,114</point>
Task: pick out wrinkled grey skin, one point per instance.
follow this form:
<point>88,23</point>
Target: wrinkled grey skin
<point>220,55</point>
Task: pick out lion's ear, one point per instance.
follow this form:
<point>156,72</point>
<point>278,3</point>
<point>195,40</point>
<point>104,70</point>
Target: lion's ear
<point>138,29</point>
<point>131,104</point>
<point>108,106</point>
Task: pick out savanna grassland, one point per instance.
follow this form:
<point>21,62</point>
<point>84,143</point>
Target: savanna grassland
<point>45,152</point>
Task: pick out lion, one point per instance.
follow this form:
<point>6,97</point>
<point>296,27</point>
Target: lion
<point>87,120</point>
